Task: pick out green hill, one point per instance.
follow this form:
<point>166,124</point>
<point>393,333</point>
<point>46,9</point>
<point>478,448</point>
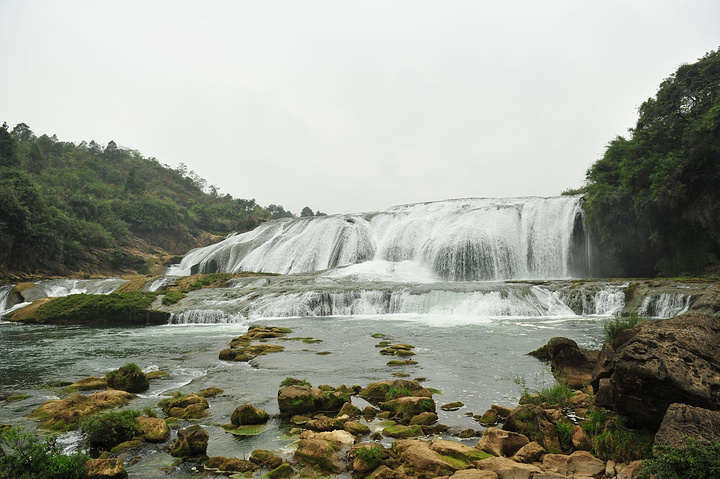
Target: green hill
<point>82,208</point>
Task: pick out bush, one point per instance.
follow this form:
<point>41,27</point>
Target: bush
<point>128,378</point>
<point>555,395</point>
<point>172,297</point>
<point>28,457</point>
<point>107,430</point>
<point>697,460</point>
<point>617,325</point>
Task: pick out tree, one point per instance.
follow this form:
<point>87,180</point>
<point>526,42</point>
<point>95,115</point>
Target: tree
<point>306,212</point>
<point>8,149</point>
<point>654,199</point>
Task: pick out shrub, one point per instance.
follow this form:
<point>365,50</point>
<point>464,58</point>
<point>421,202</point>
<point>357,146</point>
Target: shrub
<point>27,457</point>
<point>107,430</point>
<point>172,297</point>
<point>555,395</point>
<point>622,445</point>
<point>697,460</point>
<point>565,431</point>
<point>617,325</point>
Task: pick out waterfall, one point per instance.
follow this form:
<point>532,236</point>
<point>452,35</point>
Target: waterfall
<point>665,305</point>
<point>608,302</point>
<point>5,291</point>
<point>63,287</point>
<point>204,316</point>
<point>455,240</point>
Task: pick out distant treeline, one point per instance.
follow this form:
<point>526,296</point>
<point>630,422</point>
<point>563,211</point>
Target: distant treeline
<point>653,200</point>
<point>63,205</point>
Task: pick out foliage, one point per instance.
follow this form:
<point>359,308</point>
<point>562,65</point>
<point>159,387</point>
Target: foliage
<point>107,430</point>
<point>697,460</point>
<point>64,204</point>
<point>613,327</point>
<point>394,393</point>
<point>172,297</point>
<point>79,308</point>
<point>611,440</point>
<point>556,395</point>
<point>29,457</point>
<point>371,454</point>
<point>294,382</point>
<point>565,431</point>
<point>654,199</point>
<point>210,279</point>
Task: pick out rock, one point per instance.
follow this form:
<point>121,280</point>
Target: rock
<point>304,399</point>
<point>321,453</point>
<point>508,469</point>
<point>324,423</point>
<point>128,378</point>
<point>489,418</point>
<point>66,413</point>
<point>264,458</point>
<point>570,364</point>
<point>631,471</point>
<point>375,393</point>
<point>339,437</point>
<point>191,443</point>
<point>106,469</point>
<point>660,363</point>
<point>88,384</point>
<point>409,404</point>
<point>230,464</point>
<point>247,414</point>
<point>283,471</point>
<point>400,431</point>
<point>579,463</point>
<point>502,411</point>
<point>580,440</point>
<point>424,419</point>
<point>456,450</point>
<point>453,406</point>
<point>356,428</point>
<point>365,457</point>
<point>499,442</point>
<point>530,452</point>
<point>210,392</point>
<point>534,422</point>
<point>682,422</point>
<point>474,474</point>
<point>154,429</point>
<point>349,410</point>
<point>418,456</point>
<point>184,406</point>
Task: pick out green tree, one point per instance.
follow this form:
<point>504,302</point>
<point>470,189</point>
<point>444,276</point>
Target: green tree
<point>654,198</point>
<point>306,212</point>
<point>8,153</point>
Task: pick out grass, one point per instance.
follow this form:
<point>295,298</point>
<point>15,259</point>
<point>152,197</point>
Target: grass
<point>172,297</point>
<point>613,327</point>
<point>697,460</point>
<point>556,395</point>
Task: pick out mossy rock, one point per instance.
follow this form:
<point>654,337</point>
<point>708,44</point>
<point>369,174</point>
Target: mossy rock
<point>65,414</point>
<point>230,464</point>
<point>90,383</point>
<point>184,406</point>
<point>396,362</point>
<point>453,406</point>
<point>247,415</point>
<point>127,445</point>
<point>283,471</point>
<point>400,431</point>
<point>424,419</point>
<point>128,378</point>
<point>265,458</point>
<point>356,428</point>
<point>409,404</point>
<point>157,375</point>
<point>154,429</point>
<point>16,398</point>
<point>210,392</point>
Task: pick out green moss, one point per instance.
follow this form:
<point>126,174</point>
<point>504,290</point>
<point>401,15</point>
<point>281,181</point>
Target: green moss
<point>407,362</point>
<point>378,335</point>
<point>695,460</point>
<point>172,297</point>
<point>126,308</point>
<point>555,395</point>
<point>294,382</point>
<point>399,431</point>
<point>16,397</point>
<point>456,462</point>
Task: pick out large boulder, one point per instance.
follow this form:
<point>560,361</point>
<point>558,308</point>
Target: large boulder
<point>184,406</point>
<point>247,414</point>
<point>684,422</point>
<point>579,463</point>
<point>499,442</point>
<point>305,399</point>
<point>128,378</point>
<point>418,456</point>
<point>535,423</point>
<point>106,469</point>
<point>321,453</point>
<point>191,443</point>
<point>570,364</point>
<point>660,363</point>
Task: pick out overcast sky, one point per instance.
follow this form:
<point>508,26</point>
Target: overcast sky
<point>349,106</point>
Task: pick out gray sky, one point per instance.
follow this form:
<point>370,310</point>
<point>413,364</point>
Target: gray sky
<point>349,106</point>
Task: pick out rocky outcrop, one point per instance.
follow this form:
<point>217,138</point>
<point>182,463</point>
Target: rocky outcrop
<point>683,422</point>
<point>106,469</point>
<point>660,363</point>
<point>184,406</point>
<point>191,443</point>
<point>305,399</point>
<point>154,429</point>
<point>499,442</point>
<point>570,363</point>
<point>247,414</point>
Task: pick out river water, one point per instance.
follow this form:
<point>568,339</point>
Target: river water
<point>478,361</point>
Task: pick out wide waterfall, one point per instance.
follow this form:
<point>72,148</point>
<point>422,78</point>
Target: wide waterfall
<point>454,240</point>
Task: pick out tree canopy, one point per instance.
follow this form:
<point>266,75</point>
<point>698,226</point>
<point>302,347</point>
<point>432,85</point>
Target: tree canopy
<point>64,206</point>
<point>654,198</point>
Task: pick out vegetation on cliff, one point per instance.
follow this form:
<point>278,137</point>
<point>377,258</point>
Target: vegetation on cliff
<point>83,207</point>
<point>654,198</point>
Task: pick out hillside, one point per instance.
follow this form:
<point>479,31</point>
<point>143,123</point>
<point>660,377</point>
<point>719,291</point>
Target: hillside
<point>83,208</point>
<point>654,198</point>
